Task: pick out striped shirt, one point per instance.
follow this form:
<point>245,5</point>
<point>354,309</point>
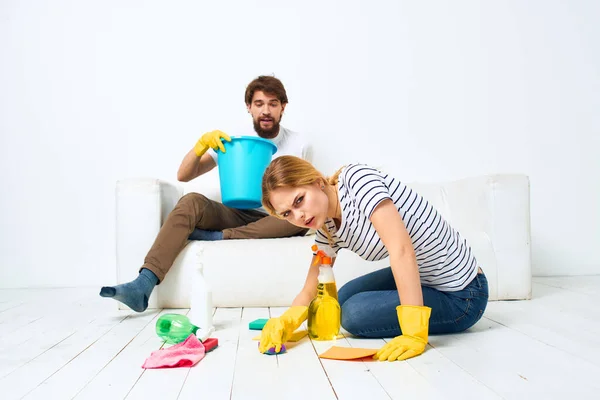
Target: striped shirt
<point>445,260</point>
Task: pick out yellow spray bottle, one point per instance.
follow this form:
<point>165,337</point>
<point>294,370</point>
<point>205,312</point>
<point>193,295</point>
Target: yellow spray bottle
<point>324,312</point>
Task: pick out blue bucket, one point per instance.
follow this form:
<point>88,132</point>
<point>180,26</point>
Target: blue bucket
<point>241,169</point>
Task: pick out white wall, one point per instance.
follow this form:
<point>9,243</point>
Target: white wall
<point>91,92</point>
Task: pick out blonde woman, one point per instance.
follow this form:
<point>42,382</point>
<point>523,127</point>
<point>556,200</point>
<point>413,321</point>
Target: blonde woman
<point>433,285</point>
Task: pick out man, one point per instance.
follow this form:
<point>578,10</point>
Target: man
<point>199,218</point>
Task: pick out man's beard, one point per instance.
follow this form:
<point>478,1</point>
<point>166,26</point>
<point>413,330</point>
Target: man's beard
<point>266,133</point>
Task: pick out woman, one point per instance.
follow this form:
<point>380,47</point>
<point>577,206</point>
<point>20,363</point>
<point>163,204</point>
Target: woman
<point>433,284</point>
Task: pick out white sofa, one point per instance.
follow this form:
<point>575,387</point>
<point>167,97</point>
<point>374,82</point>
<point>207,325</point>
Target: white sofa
<point>491,212</point>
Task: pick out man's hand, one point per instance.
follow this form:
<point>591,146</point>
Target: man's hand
<point>211,140</point>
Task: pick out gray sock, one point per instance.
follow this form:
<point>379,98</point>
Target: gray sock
<point>134,294</point>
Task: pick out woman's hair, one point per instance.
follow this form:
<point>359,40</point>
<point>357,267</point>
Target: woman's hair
<point>291,171</point>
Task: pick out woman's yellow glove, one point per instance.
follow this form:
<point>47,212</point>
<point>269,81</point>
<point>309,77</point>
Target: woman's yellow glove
<point>414,323</point>
<point>211,140</point>
<point>278,330</point>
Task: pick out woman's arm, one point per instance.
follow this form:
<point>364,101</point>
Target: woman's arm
<point>309,291</point>
<point>391,230</point>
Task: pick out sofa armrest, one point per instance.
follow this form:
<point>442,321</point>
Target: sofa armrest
<point>511,234</point>
<point>170,193</point>
<point>141,205</point>
<point>492,213</point>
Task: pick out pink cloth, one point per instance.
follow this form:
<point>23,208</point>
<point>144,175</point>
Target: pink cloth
<point>184,354</point>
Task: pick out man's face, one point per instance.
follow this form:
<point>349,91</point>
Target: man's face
<point>266,110</point>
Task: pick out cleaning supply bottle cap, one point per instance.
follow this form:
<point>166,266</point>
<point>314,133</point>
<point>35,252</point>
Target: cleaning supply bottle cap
<point>324,255</point>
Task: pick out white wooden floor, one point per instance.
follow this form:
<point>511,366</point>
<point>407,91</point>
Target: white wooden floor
<point>70,343</point>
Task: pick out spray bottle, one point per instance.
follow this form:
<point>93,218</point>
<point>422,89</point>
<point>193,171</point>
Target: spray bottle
<point>324,312</point>
<point>175,328</point>
<point>201,307</point>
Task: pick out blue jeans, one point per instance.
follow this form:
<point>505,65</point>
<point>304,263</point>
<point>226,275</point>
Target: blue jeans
<point>369,305</point>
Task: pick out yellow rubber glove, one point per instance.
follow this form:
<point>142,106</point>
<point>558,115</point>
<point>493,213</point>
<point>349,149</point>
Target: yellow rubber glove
<point>278,330</point>
<point>414,323</point>
<point>211,140</point>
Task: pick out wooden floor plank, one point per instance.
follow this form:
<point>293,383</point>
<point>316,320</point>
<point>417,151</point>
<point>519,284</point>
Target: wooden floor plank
<point>43,334</point>
<point>544,318</point>
<point>566,301</point>
<point>398,379</point>
<point>56,323</point>
<point>253,371</point>
<point>38,304</point>
<point>164,383</point>
<point>516,366</point>
<point>350,379</point>
<point>589,285</point>
<point>212,377</point>
<point>301,364</point>
<point>29,375</point>
<point>74,376</point>
<point>71,342</point>
<point>120,374</point>
<point>9,304</point>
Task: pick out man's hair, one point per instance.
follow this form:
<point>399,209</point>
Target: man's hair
<point>267,84</point>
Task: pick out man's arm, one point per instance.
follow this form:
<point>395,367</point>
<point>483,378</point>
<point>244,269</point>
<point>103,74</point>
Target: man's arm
<point>198,161</point>
<point>193,166</point>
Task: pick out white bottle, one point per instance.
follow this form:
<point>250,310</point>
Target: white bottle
<point>201,308</point>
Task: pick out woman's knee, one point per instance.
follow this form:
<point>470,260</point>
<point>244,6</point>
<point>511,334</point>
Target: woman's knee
<point>344,293</point>
<point>354,316</point>
<point>374,281</point>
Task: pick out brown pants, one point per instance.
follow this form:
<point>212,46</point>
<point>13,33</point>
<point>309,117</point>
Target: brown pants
<point>196,211</point>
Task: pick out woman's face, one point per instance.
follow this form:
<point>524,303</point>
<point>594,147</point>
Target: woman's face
<point>304,206</point>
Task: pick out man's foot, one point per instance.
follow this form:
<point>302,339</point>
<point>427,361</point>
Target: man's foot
<point>134,294</point>
<point>200,234</point>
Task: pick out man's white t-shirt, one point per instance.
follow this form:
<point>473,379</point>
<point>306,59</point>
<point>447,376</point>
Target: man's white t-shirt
<point>289,143</point>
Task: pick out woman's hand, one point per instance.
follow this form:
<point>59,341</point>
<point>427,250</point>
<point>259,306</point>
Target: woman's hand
<point>414,323</point>
<point>278,330</point>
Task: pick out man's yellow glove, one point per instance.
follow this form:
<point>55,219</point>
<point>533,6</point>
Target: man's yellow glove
<point>211,140</point>
<point>414,323</point>
<point>278,330</point>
